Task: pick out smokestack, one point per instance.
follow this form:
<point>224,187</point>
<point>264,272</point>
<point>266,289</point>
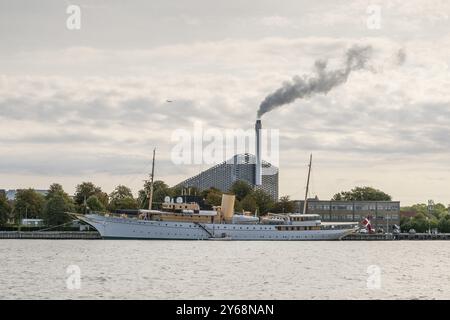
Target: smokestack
<point>258,164</point>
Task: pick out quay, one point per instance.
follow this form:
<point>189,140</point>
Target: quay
<point>94,235</point>
<point>61,235</point>
<point>399,236</point>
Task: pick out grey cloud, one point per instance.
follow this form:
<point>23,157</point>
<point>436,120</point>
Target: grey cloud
<point>64,163</point>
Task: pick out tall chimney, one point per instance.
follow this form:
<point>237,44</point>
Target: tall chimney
<point>258,164</point>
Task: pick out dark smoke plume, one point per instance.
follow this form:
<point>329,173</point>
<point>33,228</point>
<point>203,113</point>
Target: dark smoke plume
<point>322,81</point>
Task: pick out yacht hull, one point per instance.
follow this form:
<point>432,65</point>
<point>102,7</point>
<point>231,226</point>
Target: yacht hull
<point>125,228</point>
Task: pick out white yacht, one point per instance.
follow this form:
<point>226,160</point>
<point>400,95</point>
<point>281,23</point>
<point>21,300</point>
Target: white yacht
<point>185,221</point>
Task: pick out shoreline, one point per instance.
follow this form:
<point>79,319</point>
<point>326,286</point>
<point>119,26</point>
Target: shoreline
<point>94,235</point>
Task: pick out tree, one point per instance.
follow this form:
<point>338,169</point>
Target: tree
<point>214,197</point>
<point>264,201</point>
<point>94,204</point>
<point>205,192</point>
<point>57,204</point>
<point>160,191</point>
<point>444,224</point>
<point>55,210</point>
<point>87,189</point>
<point>284,205</point>
<point>28,203</point>
<point>241,189</point>
<point>125,203</point>
<point>238,206</point>
<point>54,189</point>
<point>362,194</point>
<point>122,198</point>
<point>420,223</point>
<point>121,192</point>
<point>5,210</point>
<point>418,208</point>
<point>248,203</point>
<point>437,212</point>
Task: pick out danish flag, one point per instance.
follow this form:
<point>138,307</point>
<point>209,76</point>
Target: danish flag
<point>366,223</point>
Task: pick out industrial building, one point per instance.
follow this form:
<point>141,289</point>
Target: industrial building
<point>240,167</point>
<point>246,167</point>
<point>383,214</point>
<point>11,194</point>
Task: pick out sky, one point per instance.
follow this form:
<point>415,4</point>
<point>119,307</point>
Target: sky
<point>90,104</point>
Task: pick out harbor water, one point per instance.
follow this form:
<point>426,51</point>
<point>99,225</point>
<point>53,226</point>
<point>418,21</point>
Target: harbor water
<point>128,269</point>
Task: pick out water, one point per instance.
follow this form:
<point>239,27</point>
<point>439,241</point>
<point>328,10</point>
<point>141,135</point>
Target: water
<point>114,269</point>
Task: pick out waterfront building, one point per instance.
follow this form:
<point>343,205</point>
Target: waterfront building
<point>11,194</point>
<point>239,167</point>
<point>384,214</point>
<point>32,222</point>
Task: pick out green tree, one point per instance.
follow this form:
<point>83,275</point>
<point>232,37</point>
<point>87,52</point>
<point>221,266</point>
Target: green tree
<point>420,223</point>
<point>58,202</point>
<point>284,205</point>
<point>160,191</point>
<point>439,210</point>
<point>87,189</point>
<point>122,198</point>
<point>54,189</point>
<point>444,224</point>
<point>213,197</point>
<point>362,194</point>
<point>94,204</point>
<point>264,201</point>
<point>28,203</point>
<point>241,189</point>
<point>248,203</point>
<point>55,210</point>
<point>121,192</point>
<point>205,192</point>
<point>238,206</point>
<point>125,203</point>
<point>5,210</point>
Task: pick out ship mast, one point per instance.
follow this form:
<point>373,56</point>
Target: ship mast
<point>307,184</point>
<point>150,195</point>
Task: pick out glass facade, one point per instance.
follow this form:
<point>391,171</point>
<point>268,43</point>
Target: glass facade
<point>383,214</point>
<point>240,167</point>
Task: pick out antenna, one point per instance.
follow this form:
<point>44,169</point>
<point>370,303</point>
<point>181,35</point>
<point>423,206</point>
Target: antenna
<point>307,184</point>
<point>150,196</point>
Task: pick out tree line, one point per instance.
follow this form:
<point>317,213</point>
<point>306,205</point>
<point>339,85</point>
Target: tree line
<point>426,218</point>
<point>53,207</point>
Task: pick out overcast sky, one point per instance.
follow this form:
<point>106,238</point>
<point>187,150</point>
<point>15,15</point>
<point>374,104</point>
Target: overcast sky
<point>90,104</point>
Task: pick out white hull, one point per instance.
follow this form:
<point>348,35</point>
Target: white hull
<point>123,228</point>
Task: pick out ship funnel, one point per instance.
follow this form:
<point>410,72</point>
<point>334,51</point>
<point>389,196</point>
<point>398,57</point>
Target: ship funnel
<point>227,206</point>
<point>258,162</point>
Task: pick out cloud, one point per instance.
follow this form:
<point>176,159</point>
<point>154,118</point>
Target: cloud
<point>277,21</point>
<point>69,123</point>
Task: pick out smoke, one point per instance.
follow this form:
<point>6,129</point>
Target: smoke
<point>322,81</point>
<point>401,56</point>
